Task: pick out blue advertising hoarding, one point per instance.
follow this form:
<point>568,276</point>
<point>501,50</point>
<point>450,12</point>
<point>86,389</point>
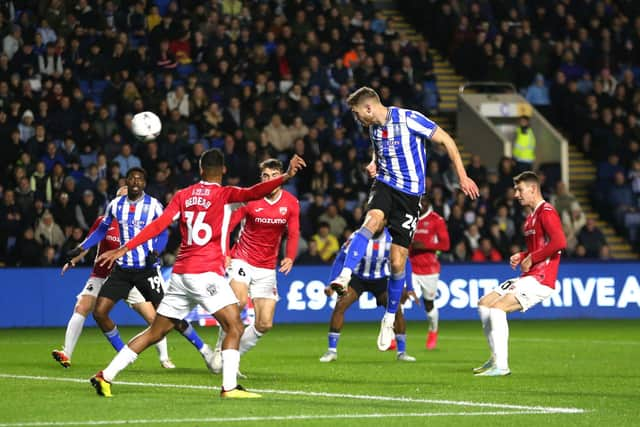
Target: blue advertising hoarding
<point>41,297</point>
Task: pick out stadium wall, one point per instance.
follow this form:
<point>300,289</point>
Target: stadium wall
<point>43,298</point>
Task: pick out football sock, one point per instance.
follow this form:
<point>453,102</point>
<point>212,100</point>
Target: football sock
<point>249,339</point>
<point>124,358</point>
<point>394,291</point>
<point>221,335</point>
<point>401,343</point>
<point>485,318</point>
<point>334,337</point>
<point>193,337</point>
<point>163,351</point>
<point>357,247</point>
<point>74,329</point>
<point>500,336</point>
<point>433,319</point>
<point>114,338</point>
<point>230,366</point>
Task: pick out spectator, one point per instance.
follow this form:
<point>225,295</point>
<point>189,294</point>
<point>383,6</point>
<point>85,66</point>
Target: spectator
<point>48,233</point>
<point>562,200</point>
<point>524,146</point>
<point>327,243</point>
<point>28,251</point>
<point>591,238</point>
<point>310,256</point>
<point>486,252</point>
<point>88,210</point>
<point>336,222</point>
<point>127,159</point>
<point>573,220</point>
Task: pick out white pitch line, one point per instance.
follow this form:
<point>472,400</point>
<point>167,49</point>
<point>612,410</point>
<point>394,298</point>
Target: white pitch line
<point>272,418</point>
<point>546,409</point>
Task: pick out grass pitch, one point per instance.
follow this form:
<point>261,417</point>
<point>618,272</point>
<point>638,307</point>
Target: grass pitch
<point>564,373</point>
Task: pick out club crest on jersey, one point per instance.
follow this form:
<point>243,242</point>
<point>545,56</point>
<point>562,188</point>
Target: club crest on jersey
<point>283,210</point>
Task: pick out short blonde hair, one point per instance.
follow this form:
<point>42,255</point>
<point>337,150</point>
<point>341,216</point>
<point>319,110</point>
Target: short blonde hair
<point>362,94</point>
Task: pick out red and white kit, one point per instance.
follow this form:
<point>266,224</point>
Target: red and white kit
<point>255,254</point>
<point>545,240</point>
<point>100,273</point>
<point>198,273</point>
<point>431,231</point>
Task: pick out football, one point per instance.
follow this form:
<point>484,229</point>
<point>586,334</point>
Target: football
<point>146,126</point>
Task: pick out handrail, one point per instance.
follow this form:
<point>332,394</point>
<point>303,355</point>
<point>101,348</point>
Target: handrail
<point>506,85</point>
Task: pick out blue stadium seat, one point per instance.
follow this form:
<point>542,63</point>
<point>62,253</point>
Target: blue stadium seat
<point>163,5</point>
<point>185,70</point>
<point>85,87</point>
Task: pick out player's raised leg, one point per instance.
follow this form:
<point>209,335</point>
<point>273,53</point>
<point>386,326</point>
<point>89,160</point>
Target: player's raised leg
<point>357,248</point>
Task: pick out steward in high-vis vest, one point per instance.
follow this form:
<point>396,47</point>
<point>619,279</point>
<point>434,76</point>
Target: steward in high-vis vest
<point>524,146</point>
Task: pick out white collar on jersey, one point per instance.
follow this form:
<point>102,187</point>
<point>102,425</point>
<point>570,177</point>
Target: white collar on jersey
<point>426,213</point>
<point>276,200</point>
<point>540,203</point>
<point>209,183</point>
<point>136,200</point>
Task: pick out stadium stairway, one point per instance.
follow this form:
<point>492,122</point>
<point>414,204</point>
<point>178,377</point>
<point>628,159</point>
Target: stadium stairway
<point>581,173</point>
<point>581,170</point>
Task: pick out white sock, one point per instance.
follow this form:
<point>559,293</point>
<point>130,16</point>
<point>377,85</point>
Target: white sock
<point>221,335</point>
<point>485,318</point>
<point>230,366</point>
<point>249,339</point>
<point>205,349</point>
<point>433,319</point>
<point>74,329</point>
<point>124,358</point>
<point>163,351</point>
<point>500,336</point>
<point>388,317</point>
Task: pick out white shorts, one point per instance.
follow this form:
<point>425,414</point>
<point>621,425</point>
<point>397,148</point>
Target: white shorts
<point>185,291</point>
<point>527,290</point>
<point>261,281</point>
<point>94,284</point>
<point>428,284</point>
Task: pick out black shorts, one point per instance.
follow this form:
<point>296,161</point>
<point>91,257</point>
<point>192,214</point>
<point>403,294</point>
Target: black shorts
<point>377,287</point>
<point>400,209</point>
<point>122,280</point>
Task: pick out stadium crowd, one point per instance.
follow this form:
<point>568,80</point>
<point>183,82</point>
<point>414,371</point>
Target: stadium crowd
<point>262,79</point>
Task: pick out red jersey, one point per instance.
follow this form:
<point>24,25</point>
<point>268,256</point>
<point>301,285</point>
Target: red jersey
<point>204,215</point>
<point>111,241</point>
<point>545,240</point>
<point>265,222</point>
<point>431,231</point>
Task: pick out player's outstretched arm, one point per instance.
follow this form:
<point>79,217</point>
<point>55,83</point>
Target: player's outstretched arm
<point>467,185</point>
<point>73,261</point>
<point>149,232</point>
<point>237,194</point>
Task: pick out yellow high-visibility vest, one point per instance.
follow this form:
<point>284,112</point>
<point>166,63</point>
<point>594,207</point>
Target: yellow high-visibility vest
<point>524,147</point>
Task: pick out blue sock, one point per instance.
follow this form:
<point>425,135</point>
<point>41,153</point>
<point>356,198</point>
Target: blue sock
<point>114,338</point>
<point>357,247</point>
<point>394,292</point>
<point>193,337</point>
<point>333,341</point>
<point>401,342</point>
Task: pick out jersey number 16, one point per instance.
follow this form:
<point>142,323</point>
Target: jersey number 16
<point>196,227</point>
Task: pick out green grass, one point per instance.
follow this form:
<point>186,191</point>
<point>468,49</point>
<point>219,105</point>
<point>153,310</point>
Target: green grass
<point>585,364</point>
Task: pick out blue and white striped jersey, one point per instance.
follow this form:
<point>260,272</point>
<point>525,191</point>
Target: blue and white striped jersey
<point>401,154</point>
<point>375,262</point>
<point>133,216</point>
